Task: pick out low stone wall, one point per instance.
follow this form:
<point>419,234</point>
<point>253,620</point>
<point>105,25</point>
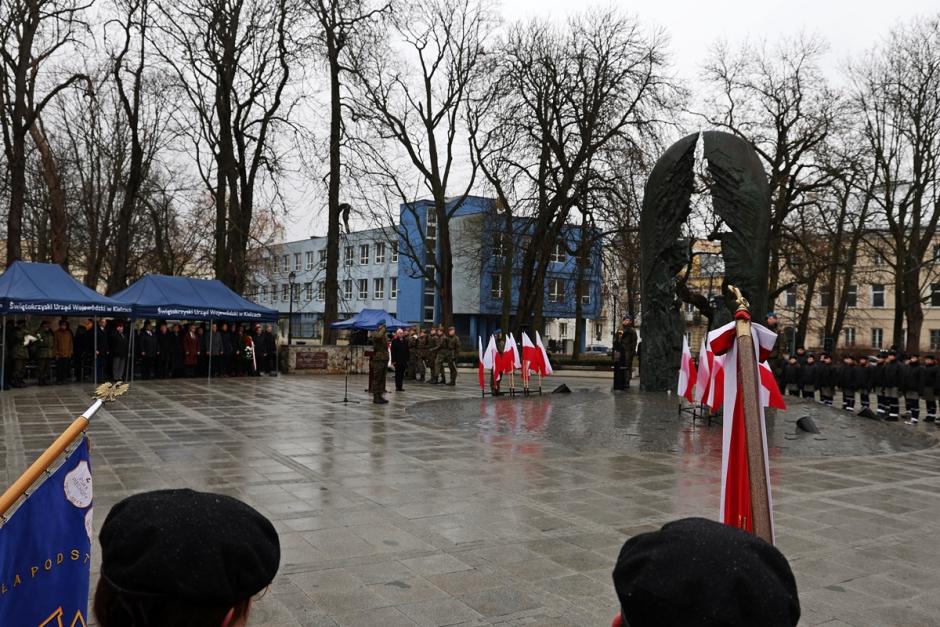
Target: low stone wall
<point>326,359</point>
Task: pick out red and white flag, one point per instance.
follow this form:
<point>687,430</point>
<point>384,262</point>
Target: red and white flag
<point>491,357</point>
<point>687,374</point>
<point>545,363</point>
<point>735,479</point>
<point>510,357</point>
<point>770,395</point>
<point>480,367</point>
<point>531,356</point>
<point>704,374</point>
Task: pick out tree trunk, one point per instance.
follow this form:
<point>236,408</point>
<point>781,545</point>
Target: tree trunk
<point>58,212</point>
<point>445,263</point>
<point>331,304</point>
<point>506,277</point>
<point>803,322</point>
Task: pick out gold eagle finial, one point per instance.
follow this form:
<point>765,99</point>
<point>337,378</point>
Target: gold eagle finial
<point>743,305</point>
<point>107,392</point>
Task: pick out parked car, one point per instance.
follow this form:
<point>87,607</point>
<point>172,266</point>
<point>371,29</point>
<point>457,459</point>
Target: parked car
<point>598,349</point>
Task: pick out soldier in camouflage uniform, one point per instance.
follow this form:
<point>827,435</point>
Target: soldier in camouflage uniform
<point>45,351</point>
<point>421,349</point>
<point>452,344</point>
<point>412,371</point>
<point>379,364</point>
<point>434,350</point>
<point>20,354</point>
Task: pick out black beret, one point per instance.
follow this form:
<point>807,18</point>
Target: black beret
<point>699,572</point>
<point>204,548</point>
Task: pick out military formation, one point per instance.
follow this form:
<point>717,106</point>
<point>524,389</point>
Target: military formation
<point>426,355</point>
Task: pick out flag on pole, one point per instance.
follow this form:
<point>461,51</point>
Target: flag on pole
<point>531,356</point>
<point>510,357</point>
<point>480,367</point>
<point>703,378</point>
<point>491,358</point>
<point>735,478</point>
<point>545,363</point>
<point>45,550</point>
<point>770,395</point>
<point>687,374</point>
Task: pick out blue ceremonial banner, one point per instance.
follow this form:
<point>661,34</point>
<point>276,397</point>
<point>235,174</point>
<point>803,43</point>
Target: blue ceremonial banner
<point>45,550</point>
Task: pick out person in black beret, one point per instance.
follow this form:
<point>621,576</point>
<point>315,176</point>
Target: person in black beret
<point>699,572</point>
<point>180,558</point>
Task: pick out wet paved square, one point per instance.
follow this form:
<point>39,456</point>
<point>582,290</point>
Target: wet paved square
<point>402,515</point>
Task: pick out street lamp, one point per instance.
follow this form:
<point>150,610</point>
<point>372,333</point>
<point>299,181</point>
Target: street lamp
<point>615,287</point>
<point>290,308</point>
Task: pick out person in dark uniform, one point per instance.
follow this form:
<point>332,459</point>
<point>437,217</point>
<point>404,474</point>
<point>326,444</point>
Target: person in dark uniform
<point>791,376</point>
<point>435,342</point>
<point>878,382</point>
<point>45,352</point>
<point>808,377</point>
<point>450,350</point>
<point>912,380</point>
<point>865,372</point>
<point>181,558</point>
<point>149,350</point>
<point>164,351</point>
<point>825,379</point>
<point>401,357</point>
<point>102,337</point>
<point>846,381</point>
<point>620,360</point>
<point>420,357</point>
<point>801,355</point>
<point>930,388</point>
<point>629,348</point>
<point>776,359</point>
<point>379,364</point>
<point>892,384</point>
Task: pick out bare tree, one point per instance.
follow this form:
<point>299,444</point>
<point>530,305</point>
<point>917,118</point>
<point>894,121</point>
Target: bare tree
<point>414,102</point>
<point>32,34</point>
<point>232,61</point>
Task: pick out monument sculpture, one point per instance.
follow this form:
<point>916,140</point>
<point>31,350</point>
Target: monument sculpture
<point>741,197</point>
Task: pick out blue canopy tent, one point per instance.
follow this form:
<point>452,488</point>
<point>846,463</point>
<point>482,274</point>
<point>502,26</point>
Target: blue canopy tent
<point>369,320</point>
<point>185,298</point>
<point>46,289</point>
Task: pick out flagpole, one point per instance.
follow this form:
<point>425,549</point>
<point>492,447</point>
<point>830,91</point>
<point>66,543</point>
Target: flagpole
<point>753,430</point>
<point>48,457</point>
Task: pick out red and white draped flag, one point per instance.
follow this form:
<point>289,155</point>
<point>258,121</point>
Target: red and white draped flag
<point>687,374</point>
<point>735,479</point>
<point>545,363</point>
<point>716,386</point>
<point>510,357</point>
<point>491,357</point>
<point>770,395</point>
<point>703,376</point>
<point>480,366</point>
<point>531,356</point>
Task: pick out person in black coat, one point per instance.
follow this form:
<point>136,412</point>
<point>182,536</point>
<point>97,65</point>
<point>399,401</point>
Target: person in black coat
<point>930,388</point>
<point>825,379</point>
<point>864,371</point>
<point>912,382</point>
<point>165,341</point>
<point>801,355</point>
<point>118,345</point>
<point>791,376</point>
<point>892,385</point>
<point>102,353</point>
<point>228,350</point>
<point>269,348</point>
<point>846,381</point>
<point>148,349</point>
<point>400,355</point>
<point>808,377</point>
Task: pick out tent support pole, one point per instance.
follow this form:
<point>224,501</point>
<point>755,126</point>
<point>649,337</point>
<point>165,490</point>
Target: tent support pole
<point>132,351</point>
<point>94,357</point>
<point>3,357</point>
<point>210,350</point>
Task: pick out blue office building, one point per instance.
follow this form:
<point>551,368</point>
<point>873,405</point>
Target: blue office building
<point>478,264</point>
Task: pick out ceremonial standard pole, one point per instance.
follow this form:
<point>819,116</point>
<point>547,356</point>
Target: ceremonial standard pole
<point>749,381</point>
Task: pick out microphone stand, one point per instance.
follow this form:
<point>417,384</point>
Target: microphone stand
<point>347,359</point>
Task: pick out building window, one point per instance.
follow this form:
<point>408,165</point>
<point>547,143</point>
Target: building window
<point>321,290</point>
<point>711,264</point>
<point>429,293</point>
<point>394,252</point>
<point>556,291</point>
<point>496,286</point>
<point>936,252</point>
<point>274,293</point>
<point>297,262</point>
<point>824,297</point>
<point>379,252</point>
<point>563,329</point>
<point>849,336</point>
<point>934,339</point>
<point>308,291</point>
<point>347,289</point>
<point>348,256</point>
<point>323,257</point>
<point>284,289</point>
<point>431,234</point>
<point>558,253</point>
<point>378,289</point>
<point>393,287</point>
<point>499,246</point>
<point>878,295</point>
<point>877,259</point>
<point>363,254</point>
<point>935,295</point>
<point>274,263</point>
<point>285,263</point>
<point>791,297</point>
<point>309,260</point>
<point>877,338</point>
<point>363,289</point>
<point>264,293</point>
<point>586,298</point>
<point>851,299</point>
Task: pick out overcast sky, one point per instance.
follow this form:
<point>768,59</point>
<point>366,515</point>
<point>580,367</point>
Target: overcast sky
<point>850,27</point>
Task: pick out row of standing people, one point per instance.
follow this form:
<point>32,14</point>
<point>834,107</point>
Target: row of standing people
<point>413,355</point>
<point>886,378</point>
<point>62,356</point>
